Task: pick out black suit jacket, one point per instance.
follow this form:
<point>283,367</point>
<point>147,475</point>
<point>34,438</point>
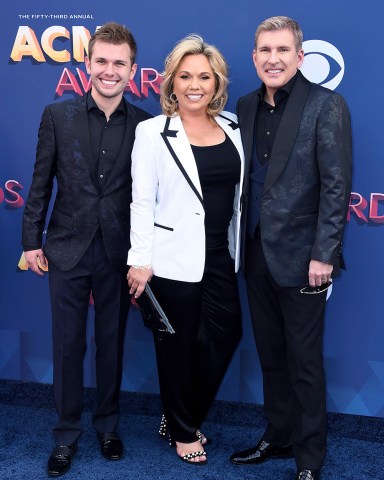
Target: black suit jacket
<point>81,204</point>
<point>308,183</point>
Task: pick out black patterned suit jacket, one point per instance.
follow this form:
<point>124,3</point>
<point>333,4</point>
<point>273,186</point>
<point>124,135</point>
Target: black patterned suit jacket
<point>308,183</point>
<point>81,203</point>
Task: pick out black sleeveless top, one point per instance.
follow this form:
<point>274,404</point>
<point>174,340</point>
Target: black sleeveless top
<point>219,171</point>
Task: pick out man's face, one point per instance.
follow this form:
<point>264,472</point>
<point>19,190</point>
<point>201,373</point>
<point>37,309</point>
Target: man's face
<point>276,59</point>
<point>111,69</point>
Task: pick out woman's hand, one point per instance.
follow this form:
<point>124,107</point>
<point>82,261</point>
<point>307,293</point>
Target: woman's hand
<point>137,279</point>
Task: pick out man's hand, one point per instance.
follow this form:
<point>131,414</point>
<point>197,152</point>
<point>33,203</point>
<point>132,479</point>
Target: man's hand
<point>33,258</point>
<point>137,279</point>
<point>319,273</point>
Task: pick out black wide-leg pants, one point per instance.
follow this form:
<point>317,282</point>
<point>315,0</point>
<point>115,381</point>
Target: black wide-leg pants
<point>70,293</point>
<point>288,328</point>
<point>192,362</point>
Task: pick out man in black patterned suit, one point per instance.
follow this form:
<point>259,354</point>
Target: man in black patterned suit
<point>86,145</point>
<point>297,143</point>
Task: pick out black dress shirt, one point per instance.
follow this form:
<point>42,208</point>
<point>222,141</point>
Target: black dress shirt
<point>268,119</point>
<point>106,136</point>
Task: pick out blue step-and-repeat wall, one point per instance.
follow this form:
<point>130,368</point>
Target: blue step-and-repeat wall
<point>42,51</point>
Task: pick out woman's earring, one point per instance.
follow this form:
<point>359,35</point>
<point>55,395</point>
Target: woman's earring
<point>216,103</point>
<point>173,98</point>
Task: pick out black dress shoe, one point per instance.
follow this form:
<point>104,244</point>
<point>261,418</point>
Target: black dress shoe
<point>262,452</point>
<point>111,446</point>
<point>307,475</point>
<point>59,461</point>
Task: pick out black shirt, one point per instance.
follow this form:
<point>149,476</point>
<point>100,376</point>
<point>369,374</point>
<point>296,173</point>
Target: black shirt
<point>106,137</point>
<point>268,119</point>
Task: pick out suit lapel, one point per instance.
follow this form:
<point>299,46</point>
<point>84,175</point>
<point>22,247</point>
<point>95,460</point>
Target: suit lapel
<point>179,147</point>
<point>81,136</point>
<point>123,159</point>
<point>287,131</point>
<point>247,120</point>
<point>230,127</point>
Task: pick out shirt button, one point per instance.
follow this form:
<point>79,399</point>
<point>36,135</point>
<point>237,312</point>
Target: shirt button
<point>268,133</point>
<point>101,176</point>
<point>265,155</point>
<point>103,152</point>
<point>272,111</point>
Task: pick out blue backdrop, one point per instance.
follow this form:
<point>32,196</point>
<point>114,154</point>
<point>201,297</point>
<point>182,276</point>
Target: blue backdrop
<point>41,55</point>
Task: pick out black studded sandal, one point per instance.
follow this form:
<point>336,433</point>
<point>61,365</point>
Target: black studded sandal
<point>202,438</point>
<point>163,430</point>
<point>190,456</point>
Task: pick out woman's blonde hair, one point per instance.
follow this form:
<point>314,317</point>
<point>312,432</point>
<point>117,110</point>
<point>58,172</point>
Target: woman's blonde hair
<point>194,45</point>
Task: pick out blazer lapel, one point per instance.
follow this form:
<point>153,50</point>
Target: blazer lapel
<point>123,159</point>
<point>81,136</point>
<point>179,147</point>
<point>287,131</point>
<point>230,127</point>
<point>247,119</point>
<point>247,125</point>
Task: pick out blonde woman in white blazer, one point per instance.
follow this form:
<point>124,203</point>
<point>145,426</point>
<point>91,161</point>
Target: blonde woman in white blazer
<point>187,171</point>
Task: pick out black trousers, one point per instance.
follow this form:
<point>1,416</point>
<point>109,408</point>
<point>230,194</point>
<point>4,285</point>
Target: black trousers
<point>192,362</point>
<point>70,293</point>
<point>288,328</point>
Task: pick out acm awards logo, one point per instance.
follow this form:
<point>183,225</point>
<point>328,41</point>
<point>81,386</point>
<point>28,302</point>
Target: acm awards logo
<point>58,45</point>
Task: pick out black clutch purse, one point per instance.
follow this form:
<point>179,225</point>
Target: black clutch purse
<point>152,313</point>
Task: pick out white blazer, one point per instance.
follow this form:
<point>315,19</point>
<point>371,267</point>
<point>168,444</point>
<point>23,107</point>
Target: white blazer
<point>167,214</point>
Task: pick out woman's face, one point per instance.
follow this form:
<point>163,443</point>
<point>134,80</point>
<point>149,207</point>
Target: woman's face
<point>194,84</point>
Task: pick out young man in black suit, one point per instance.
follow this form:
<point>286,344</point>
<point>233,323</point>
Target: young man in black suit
<point>86,145</point>
<point>297,143</point>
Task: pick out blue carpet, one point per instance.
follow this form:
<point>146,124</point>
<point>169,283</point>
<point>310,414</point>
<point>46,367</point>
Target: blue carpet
<point>355,444</point>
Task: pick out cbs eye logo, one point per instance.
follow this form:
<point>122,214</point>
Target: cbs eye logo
<point>323,63</point>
